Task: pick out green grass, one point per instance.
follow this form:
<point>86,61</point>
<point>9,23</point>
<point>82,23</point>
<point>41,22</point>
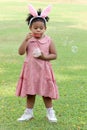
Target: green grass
<point>67,27</point>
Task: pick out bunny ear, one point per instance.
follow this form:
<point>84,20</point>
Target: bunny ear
<point>32,10</point>
<point>46,11</point>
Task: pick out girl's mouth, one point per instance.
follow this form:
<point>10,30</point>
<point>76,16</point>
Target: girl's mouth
<point>37,35</point>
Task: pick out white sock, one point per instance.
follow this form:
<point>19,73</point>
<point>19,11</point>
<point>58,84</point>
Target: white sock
<point>50,108</point>
<point>30,110</point>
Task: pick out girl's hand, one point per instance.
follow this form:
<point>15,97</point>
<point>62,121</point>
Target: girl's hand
<point>42,56</point>
<point>23,46</point>
<point>28,36</point>
<point>47,57</point>
<point>52,53</point>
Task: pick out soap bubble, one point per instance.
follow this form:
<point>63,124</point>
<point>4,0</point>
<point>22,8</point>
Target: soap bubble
<point>74,49</point>
<point>68,41</point>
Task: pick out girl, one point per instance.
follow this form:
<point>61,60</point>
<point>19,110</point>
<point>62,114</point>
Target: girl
<point>37,76</point>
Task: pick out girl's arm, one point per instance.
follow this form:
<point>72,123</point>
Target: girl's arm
<point>52,53</point>
<point>23,46</point>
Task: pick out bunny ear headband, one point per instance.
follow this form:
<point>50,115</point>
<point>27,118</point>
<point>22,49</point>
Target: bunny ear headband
<point>43,14</point>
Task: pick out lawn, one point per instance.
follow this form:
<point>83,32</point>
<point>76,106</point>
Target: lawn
<point>68,29</point>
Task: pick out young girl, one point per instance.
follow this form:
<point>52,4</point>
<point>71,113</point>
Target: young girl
<point>37,76</point>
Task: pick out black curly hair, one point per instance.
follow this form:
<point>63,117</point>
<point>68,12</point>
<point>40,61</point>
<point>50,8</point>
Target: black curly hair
<point>37,18</point>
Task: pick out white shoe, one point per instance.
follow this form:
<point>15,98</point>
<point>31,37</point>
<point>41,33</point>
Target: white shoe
<point>26,116</point>
<point>51,116</point>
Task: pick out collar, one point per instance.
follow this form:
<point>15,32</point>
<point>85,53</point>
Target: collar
<point>42,40</point>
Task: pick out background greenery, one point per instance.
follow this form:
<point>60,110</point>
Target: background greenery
<point>68,29</point>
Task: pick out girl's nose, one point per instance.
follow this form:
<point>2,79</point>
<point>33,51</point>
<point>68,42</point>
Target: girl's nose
<point>38,29</point>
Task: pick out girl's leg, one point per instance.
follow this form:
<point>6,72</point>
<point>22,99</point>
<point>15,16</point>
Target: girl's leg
<point>50,112</point>
<point>30,101</point>
<point>28,113</point>
<point>47,102</point>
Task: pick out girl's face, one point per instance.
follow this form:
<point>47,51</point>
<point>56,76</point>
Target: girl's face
<point>38,28</point>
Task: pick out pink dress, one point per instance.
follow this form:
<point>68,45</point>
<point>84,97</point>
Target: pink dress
<point>37,77</point>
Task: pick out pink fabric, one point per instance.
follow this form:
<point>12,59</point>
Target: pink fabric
<point>37,77</point>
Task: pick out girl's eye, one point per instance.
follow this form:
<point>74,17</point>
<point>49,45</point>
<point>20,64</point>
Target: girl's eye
<point>35,28</point>
<point>39,28</point>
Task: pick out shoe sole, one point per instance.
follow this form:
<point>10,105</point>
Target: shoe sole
<point>51,120</point>
<point>25,120</point>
